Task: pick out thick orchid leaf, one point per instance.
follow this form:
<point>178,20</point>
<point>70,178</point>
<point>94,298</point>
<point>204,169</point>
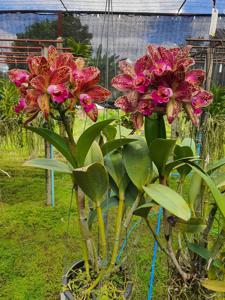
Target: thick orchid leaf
<point>183,152</point>
<point>214,166</point>
<point>177,164</point>
<point>57,141</point>
<point>105,205</point>
<point>109,132</point>
<point>219,198</point>
<point>154,128</point>
<point>122,132</point>
<point>143,210</point>
<point>93,180</point>
<point>114,144</point>
<point>214,285</point>
<point>194,225</point>
<point>201,251</point>
<point>160,150</point>
<point>115,167</point>
<point>194,190</point>
<point>168,199</point>
<point>86,139</point>
<point>190,143</point>
<point>94,155</point>
<point>49,164</point>
<point>138,163</point>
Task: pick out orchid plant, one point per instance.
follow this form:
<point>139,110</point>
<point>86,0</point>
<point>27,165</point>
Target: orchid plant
<point>130,172</point>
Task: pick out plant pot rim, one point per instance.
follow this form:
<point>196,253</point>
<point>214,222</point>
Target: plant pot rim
<point>78,264</point>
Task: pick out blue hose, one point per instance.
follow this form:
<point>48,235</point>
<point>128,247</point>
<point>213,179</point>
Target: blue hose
<point>152,275</point>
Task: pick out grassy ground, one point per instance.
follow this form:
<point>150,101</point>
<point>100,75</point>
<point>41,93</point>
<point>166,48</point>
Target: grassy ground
<point>35,249</point>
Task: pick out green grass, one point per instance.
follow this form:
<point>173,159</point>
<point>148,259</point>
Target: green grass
<point>35,249</point>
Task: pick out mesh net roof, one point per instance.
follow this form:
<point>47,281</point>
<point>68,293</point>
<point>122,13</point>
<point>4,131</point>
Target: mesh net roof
<point>123,6</point>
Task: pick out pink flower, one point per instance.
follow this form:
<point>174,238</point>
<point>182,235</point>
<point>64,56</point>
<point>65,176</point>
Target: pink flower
<point>133,77</point>
<point>19,77</point>
<point>20,106</point>
<point>86,102</point>
<point>161,95</point>
<point>201,98</point>
<point>58,92</point>
<point>160,67</point>
<point>146,107</point>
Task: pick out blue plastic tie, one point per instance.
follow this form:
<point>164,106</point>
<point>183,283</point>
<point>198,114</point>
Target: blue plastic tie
<point>152,275</point>
<point>52,178</point>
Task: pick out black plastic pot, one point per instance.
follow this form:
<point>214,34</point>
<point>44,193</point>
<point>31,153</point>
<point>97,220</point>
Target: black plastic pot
<point>80,265</point>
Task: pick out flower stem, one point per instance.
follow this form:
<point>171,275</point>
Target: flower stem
<point>118,231</point>
<point>133,207</point>
<point>101,226</point>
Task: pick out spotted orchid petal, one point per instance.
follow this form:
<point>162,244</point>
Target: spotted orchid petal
<point>89,76</point>
<point>201,98</point>
<point>43,102</point>
<point>59,93</point>
<point>195,77</point>
<point>146,107</point>
<point>127,68</point>
<point>98,93</point>
<point>124,104</point>
<point>137,119</point>
<point>173,108</point>
<point>122,82</point>
<point>60,75</point>
<point>183,92</point>
<point>142,64</point>
<point>40,83</point>
<point>19,77</point>
<point>191,114</point>
<point>93,113</point>
<point>38,65</point>
<point>64,60</point>
<point>52,56</point>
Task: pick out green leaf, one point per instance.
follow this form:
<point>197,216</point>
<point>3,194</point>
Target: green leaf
<point>190,143</point>
<point>219,198</point>
<point>112,145</point>
<point>169,167</point>
<point>154,128</point>
<point>213,167</point>
<point>194,190</point>
<point>143,210</point>
<point>160,150</point>
<point>86,139</point>
<point>49,164</point>
<point>168,199</point>
<point>94,155</point>
<point>201,251</point>
<point>115,167</point>
<point>220,180</point>
<point>138,163</point>
<point>122,132</point>
<point>57,141</point>
<point>183,152</point>
<point>93,180</point>
<point>214,285</point>
<point>194,225</point>
<point>109,132</point>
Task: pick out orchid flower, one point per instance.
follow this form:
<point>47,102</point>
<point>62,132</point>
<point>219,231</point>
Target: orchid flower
<point>168,86</point>
<point>56,79</point>
<point>133,77</point>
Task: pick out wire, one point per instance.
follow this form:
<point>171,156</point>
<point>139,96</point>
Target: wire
<point>181,6</point>
<point>63,4</point>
